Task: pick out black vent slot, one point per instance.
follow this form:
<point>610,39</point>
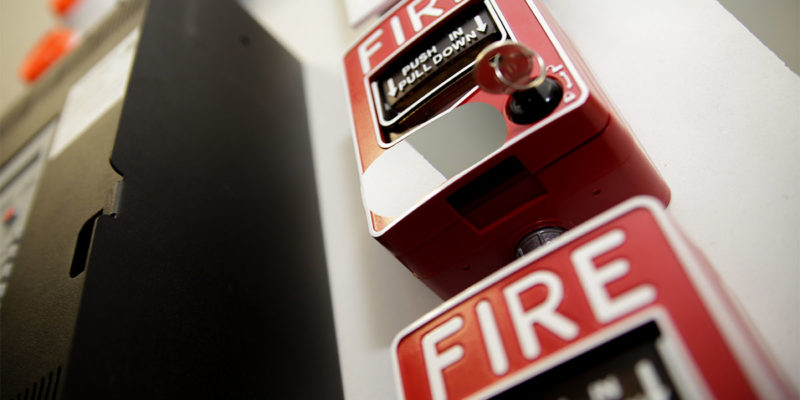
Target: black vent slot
<point>45,389</point>
<point>83,246</point>
<point>495,193</point>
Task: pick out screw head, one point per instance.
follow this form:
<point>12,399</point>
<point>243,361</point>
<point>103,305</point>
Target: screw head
<point>537,239</point>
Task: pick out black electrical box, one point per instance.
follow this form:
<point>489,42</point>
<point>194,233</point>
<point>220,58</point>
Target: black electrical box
<point>174,247</point>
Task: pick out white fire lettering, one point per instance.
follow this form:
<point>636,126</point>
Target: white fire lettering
<point>594,279</point>
<point>436,362</point>
<point>544,314</point>
<point>373,43</point>
<point>366,49</point>
<point>416,15</point>
<point>397,30</point>
<point>491,338</point>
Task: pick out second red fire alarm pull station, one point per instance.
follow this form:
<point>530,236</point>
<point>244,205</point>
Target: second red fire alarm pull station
<point>479,134</point>
<point>621,307</point>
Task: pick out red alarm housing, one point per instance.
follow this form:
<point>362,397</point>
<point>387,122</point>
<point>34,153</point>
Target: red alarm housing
<point>622,306</point>
<point>455,175</point>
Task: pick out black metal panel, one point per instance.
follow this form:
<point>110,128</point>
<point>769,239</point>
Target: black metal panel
<point>207,277</point>
<point>210,280</point>
<point>39,309</point>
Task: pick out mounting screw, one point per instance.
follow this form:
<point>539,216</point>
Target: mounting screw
<point>536,239</point>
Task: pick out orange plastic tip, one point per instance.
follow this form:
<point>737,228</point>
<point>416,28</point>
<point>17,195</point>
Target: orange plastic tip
<point>50,48</point>
<point>61,7</point>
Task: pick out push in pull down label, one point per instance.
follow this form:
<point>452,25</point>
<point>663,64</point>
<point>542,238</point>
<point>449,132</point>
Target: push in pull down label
<point>435,61</point>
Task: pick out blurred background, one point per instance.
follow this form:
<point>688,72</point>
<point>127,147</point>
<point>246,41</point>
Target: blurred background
<point>22,23</point>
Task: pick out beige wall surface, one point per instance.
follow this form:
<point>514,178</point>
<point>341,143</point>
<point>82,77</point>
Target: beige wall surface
<point>775,22</point>
<point>22,23</point>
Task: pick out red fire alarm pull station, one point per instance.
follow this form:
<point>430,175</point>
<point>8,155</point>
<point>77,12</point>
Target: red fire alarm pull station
<point>479,134</point>
<point>620,307</point>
